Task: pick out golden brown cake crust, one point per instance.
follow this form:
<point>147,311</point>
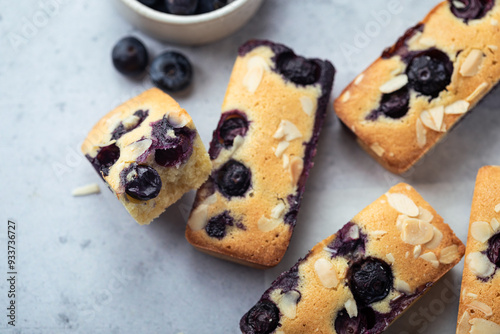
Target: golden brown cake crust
<point>132,144</point>
<point>389,236</point>
<point>260,236</point>
<point>480,293</point>
<point>398,144</point>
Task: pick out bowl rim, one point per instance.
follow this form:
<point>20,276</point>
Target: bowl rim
<point>158,16</point>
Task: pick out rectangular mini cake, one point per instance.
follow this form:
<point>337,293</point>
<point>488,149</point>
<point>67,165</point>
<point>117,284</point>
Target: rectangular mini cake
<point>410,97</point>
<point>479,311</point>
<point>362,278</point>
<point>149,153</point>
<point>261,151</point>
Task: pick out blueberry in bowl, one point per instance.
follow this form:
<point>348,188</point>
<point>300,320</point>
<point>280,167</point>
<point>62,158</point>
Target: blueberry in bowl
<point>130,56</point>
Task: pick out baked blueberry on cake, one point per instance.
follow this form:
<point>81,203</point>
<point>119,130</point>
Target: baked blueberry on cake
<point>261,151</point>
<point>410,97</point>
<point>479,310</point>
<point>149,153</point>
<point>362,278</point>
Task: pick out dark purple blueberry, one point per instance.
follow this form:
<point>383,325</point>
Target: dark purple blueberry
<point>149,3</point>
<point>130,56</point>
<point>370,280</point>
<point>471,9</point>
<point>205,6</point>
<point>177,154</point>
<point>298,69</point>
<point>181,7</point>
<point>233,179</point>
<point>231,124</point>
<point>344,244</point>
<point>364,321</point>
<point>216,226</point>
<point>105,158</point>
<point>141,182</point>
<point>263,318</point>
<point>171,71</point>
<point>429,72</point>
<point>121,130</point>
<point>493,251</point>
<point>395,105</point>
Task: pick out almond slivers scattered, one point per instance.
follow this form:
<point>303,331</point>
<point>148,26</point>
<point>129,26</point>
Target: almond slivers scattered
<point>394,84</point>
<point>403,204</point>
<point>326,273</point>
<point>470,66</point>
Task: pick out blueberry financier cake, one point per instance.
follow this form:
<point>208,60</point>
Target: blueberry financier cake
<point>362,278</point>
<point>261,151</point>
<point>479,310</point>
<point>149,153</point>
<point>407,100</point>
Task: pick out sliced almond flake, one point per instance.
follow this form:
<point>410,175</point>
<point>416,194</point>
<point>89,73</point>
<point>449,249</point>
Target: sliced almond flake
<point>403,204</point>
<point>282,146</point>
<point>463,293</point>
<point>179,119</point>
<point>402,286</point>
<point>476,304</point>
<point>436,239</point>
<point>457,108</point>
<point>296,167</point>
<point>497,208</point>
<point>464,325</point>
<point>481,231</point>
<point>479,264</point>
<point>483,326</point>
<point>458,4</point>
<point>407,255</point>
<point>286,161</point>
<point>326,273</point>
<point>390,257</point>
<point>437,115</point>
<point>394,84</point>
<point>351,308</point>
<point>199,218</point>
<point>478,92</point>
<point>495,225</point>
<point>449,254</point>
<point>288,130</point>
<point>255,71</point>
<point>379,233</point>
<point>288,304</point>
<point>417,251</point>
<point>471,295</point>
<point>430,257</point>
<point>130,121</point>
<point>138,148</point>
<point>345,97</point>
<point>89,189</point>
<point>428,121</point>
<point>416,232</point>
<point>358,79</point>
<point>421,134</point>
<point>425,215</point>
<point>400,220</point>
<point>266,224</point>
<point>427,41</point>
<point>470,66</point>
<point>307,105</point>
<point>379,150</point>
<point>353,232</point>
<point>278,210</point>
<point>494,22</point>
<point>492,48</point>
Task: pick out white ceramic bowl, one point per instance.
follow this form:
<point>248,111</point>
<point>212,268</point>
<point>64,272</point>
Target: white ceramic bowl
<point>190,29</point>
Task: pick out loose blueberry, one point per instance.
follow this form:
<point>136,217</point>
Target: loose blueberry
<point>344,244</point>
<point>364,321</point>
<point>233,179</point>
<point>493,251</point>
<point>181,7</point>
<point>263,318</point>
<point>149,3</point>
<point>216,226</point>
<point>142,182</point>
<point>429,72</point>
<point>171,71</point>
<point>121,130</point>
<point>298,69</point>
<point>105,158</point>
<point>130,56</point>
<point>370,280</point>
<point>177,154</point>
<point>205,6</point>
<point>471,9</point>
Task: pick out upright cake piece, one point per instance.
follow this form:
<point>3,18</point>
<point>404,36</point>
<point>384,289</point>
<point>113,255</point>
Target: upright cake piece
<point>149,153</point>
<point>362,278</point>
<point>261,151</point>
<point>408,99</point>
<point>479,311</point>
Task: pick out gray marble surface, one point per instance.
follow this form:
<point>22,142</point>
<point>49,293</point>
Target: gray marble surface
<point>84,266</point>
